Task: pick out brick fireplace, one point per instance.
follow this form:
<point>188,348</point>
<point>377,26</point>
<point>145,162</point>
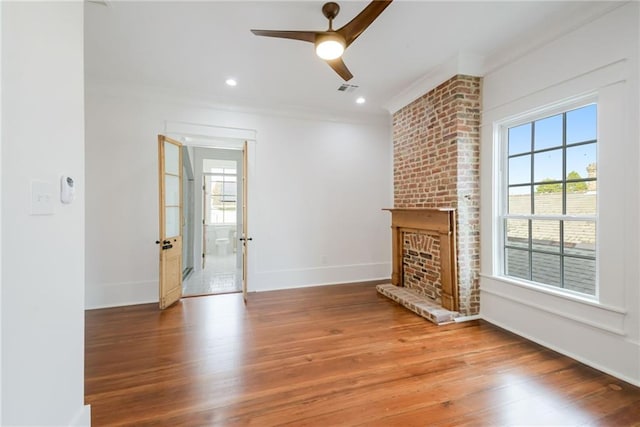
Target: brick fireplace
<point>436,143</point>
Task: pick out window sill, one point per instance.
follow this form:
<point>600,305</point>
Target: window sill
<point>583,311</point>
<point>590,301</point>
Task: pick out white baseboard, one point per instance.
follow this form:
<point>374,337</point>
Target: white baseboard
<point>82,418</point>
<point>104,295</point>
<point>603,350</point>
<point>312,285</point>
<point>318,276</point>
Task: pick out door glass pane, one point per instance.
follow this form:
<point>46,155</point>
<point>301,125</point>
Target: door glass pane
<point>548,132</point>
<point>520,170</point>
<point>171,221</point>
<point>171,158</point>
<point>517,232</point>
<point>171,190</point>
<point>517,263</point>
<point>581,124</point>
<point>547,166</point>
<point>580,238</point>
<point>546,269</point>
<point>520,200</point>
<point>520,139</point>
<point>580,275</point>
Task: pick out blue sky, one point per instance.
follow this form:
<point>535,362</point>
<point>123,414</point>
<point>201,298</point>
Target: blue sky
<point>581,126</point>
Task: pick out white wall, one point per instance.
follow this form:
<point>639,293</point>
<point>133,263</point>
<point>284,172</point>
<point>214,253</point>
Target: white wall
<point>600,57</point>
<point>316,190</point>
<point>42,256</point>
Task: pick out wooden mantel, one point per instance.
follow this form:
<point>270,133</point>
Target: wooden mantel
<point>440,222</point>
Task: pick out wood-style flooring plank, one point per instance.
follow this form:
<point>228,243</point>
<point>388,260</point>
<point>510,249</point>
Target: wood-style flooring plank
<point>331,356</point>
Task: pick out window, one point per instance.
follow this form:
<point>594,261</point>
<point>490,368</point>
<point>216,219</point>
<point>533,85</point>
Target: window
<point>549,216</point>
<point>222,193</point>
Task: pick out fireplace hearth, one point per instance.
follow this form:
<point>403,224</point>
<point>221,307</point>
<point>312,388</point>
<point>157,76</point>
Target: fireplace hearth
<point>424,262</point>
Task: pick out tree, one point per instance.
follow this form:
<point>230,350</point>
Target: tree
<point>551,187</point>
<point>575,187</point>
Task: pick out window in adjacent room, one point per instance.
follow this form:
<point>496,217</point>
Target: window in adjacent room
<point>221,185</point>
<point>549,214</point>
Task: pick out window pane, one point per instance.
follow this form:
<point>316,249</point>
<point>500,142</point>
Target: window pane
<point>520,139</point>
<point>548,132</point>
<point>171,222</point>
<point>230,190</point>
<point>581,161</point>
<point>580,238</point>
<point>171,158</point>
<point>517,263</point>
<point>582,203</point>
<point>580,275</point>
<point>230,213</point>
<point>546,269</point>
<point>216,186</point>
<point>547,166</point>
<point>548,199</point>
<point>581,124</point>
<point>517,232</point>
<point>520,170</point>
<point>171,190</point>
<point>519,200</point>
<point>546,235</point>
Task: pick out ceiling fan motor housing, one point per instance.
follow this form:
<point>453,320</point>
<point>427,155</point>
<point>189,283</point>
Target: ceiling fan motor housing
<point>330,10</point>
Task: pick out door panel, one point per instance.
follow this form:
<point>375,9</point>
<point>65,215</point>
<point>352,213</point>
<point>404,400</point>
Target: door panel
<point>170,220</point>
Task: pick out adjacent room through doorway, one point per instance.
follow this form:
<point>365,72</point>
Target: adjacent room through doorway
<point>217,222</point>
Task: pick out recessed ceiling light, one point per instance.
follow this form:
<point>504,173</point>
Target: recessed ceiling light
<point>360,100</point>
<point>231,82</point>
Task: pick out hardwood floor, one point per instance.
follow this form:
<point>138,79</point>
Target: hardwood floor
<point>331,356</point>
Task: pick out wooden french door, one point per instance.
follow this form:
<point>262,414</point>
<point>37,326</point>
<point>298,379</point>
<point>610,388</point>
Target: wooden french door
<point>245,236</point>
<point>170,215</point>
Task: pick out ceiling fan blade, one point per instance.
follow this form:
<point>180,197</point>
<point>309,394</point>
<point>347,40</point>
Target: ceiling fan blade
<point>340,67</point>
<point>305,36</point>
<point>357,25</point>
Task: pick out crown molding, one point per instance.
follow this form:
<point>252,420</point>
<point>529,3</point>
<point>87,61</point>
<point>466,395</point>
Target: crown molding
<point>156,94</point>
<point>463,63</point>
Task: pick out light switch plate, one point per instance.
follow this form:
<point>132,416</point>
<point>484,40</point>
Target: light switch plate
<point>42,198</point>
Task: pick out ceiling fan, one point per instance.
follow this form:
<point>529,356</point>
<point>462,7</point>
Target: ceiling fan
<point>330,44</point>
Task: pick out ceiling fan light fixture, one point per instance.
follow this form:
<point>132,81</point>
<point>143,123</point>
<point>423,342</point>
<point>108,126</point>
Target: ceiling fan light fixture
<point>330,46</point>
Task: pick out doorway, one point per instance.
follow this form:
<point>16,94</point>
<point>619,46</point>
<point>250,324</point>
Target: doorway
<point>218,222</point>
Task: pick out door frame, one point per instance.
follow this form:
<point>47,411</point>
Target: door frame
<point>196,139</point>
<point>227,137</point>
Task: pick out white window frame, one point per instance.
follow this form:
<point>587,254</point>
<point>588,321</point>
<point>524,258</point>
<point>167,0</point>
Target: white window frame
<point>501,129</point>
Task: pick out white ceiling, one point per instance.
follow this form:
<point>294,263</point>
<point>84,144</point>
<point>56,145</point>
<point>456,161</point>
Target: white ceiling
<point>190,48</point>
